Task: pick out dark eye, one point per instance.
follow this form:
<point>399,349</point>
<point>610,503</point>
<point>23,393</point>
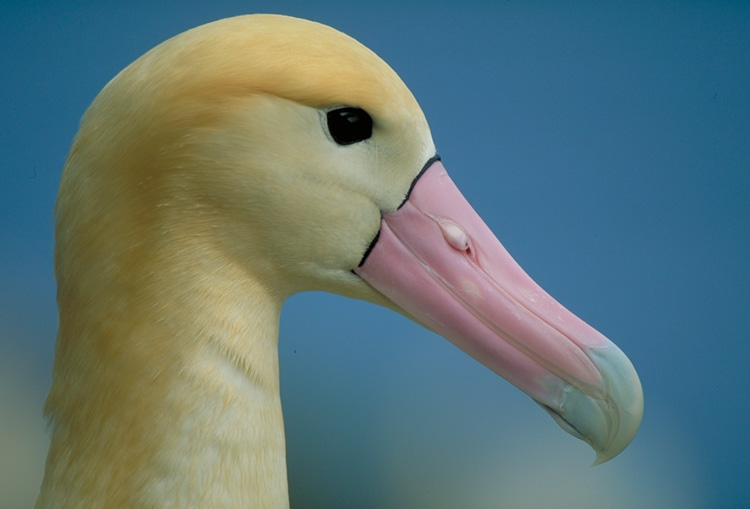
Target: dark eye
<point>349,125</point>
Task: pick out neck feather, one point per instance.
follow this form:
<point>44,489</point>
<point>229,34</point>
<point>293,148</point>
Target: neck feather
<point>166,388</point>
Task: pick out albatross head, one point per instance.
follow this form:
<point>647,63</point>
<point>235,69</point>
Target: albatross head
<point>304,160</point>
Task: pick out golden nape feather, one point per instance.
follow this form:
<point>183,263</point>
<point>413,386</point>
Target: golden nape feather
<point>228,168</point>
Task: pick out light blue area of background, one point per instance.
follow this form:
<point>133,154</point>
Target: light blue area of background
<point>607,145</point>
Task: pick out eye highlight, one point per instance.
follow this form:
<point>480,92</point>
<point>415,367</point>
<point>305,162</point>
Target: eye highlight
<point>349,125</point>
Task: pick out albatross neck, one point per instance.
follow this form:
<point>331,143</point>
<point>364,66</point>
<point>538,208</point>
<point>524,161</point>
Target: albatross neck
<point>167,395</point>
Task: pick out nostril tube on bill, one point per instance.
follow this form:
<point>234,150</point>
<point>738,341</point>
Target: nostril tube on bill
<point>454,235</point>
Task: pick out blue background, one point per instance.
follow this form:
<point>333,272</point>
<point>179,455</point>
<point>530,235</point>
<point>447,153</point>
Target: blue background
<point>608,146</point>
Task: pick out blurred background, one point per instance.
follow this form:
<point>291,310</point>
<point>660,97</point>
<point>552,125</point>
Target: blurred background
<point>608,146</point>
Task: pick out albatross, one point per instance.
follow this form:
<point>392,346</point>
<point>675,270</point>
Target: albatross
<point>225,170</point>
